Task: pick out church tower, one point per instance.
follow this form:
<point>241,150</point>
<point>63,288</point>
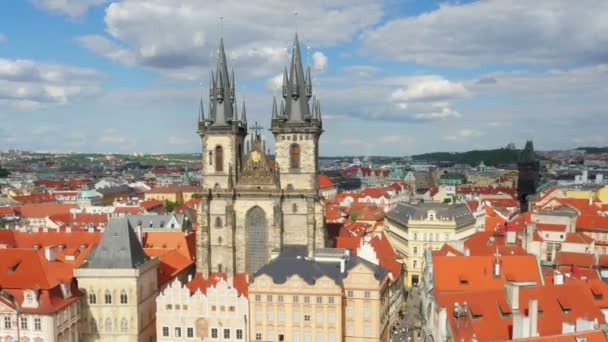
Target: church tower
<point>253,206</point>
<point>223,134</point>
<point>296,127</point>
<point>528,177</point>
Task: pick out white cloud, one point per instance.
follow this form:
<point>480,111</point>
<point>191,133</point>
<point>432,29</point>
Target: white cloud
<point>497,31</point>
<point>32,84</point>
<point>464,134</point>
<point>275,83</point>
<point>319,61</point>
<point>442,113</point>
<point>72,8</point>
<point>429,88</point>
<point>181,40</point>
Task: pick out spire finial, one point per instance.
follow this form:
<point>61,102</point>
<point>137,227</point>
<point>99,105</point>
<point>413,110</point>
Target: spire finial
<point>201,117</point>
<point>295,14</point>
<point>274,108</point>
<point>244,114</point>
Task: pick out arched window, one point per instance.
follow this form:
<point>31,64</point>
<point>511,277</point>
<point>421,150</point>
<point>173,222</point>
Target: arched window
<point>123,297</point>
<point>294,208</point>
<point>219,159</point>
<point>124,325</point>
<point>93,327</point>
<point>294,156</point>
<point>92,298</point>
<point>218,222</point>
<point>107,297</point>
<point>108,324</point>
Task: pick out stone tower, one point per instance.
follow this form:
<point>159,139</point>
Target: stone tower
<point>527,180</point>
<point>253,206</point>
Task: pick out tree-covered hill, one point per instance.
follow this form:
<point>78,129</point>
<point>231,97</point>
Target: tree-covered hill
<point>489,157</point>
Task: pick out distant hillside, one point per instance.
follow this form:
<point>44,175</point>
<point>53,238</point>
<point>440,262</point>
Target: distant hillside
<point>489,157</point>
<point>594,150</point>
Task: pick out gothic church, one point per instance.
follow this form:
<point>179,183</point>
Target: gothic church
<point>253,206</point>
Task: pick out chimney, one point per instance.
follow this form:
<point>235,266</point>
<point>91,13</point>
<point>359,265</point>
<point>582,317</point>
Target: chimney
<point>533,317</point>
<point>511,237</point>
<point>49,253</point>
<point>496,268</point>
<point>513,296</point>
<point>558,278</point>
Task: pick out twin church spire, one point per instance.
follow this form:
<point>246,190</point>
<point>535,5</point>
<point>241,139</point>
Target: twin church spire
<point>223,108</point>
<point>296,94</point>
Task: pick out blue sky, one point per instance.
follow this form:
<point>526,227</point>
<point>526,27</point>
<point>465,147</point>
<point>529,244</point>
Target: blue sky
<point>394,77</point>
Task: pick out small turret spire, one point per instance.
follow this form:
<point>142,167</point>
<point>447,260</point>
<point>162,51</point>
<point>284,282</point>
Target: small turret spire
<point>282,108</point>
<point>308,83</point>
<point>212,86</point>
<point>201,114</point>
<point>285,83</point>
<point>232,85</point>
<point>244,114</point>
<point>275,115</point>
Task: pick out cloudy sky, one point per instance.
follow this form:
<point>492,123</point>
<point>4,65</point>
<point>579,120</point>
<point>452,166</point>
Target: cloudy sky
<point>394,77</point>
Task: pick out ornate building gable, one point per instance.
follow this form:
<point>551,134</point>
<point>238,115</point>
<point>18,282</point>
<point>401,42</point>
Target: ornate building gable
<point>256,172</point>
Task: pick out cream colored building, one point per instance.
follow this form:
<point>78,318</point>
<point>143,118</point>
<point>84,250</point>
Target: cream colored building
<point>330,297</point>
<point>412,228</point>
<point>120,285</point>
<point>202,310</point>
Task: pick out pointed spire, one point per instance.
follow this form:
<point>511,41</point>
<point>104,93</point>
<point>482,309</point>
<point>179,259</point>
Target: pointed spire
<point>201,114</point>
<point>235,117</point>
<point>527,154</point>
<point>232,86</point>
<point>282,108</point>
<point>285,83</point>
<point>212,86</point>
<point>275,115</point>
<point>244,114</point>
<point>308,83</point>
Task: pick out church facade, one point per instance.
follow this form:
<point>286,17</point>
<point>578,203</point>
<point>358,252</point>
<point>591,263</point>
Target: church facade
<point>251,205</point>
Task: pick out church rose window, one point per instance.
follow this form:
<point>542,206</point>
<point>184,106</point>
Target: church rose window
<point>219,159</point>
<point>294,156</point>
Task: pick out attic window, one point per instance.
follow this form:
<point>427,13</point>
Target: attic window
<point>463,281</point>
<point>564,304</point>
<point>60,247</point>
<point>597,294</point>
<point>36,247</point>
<point>13,268</point>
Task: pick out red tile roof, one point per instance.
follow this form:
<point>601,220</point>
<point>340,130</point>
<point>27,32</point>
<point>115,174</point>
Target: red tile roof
<point>375,192</point>
<point>590,336</point>
<point>35,198</point>
<point>240,282</point>
<point>573,258</point>
<point>174,189</point>
<point>473,273</point>
<point>592,222</point>
<point>42,210</point>
<point>551,227</point>
<point>325,182</point>
<point>488,243</point>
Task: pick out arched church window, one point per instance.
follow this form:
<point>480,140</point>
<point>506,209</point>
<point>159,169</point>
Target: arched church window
<point>92,298</point>
<point>93,328</point>
<point>124,325</point>
<point>218,222</point>
<point>294,156</point>
<point>294,208</point>
<point>216,187</point>
<point>219,159</point>
<point>108,324</point>
<point>107,297</point>
<point>123,297</point>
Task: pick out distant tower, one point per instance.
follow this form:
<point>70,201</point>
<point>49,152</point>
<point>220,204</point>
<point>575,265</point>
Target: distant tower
<point>528,178</point>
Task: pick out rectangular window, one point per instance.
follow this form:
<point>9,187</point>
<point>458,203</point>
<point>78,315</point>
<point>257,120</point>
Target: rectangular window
<point>165,331</point>
<point>258,336</point>
<point>178,332</point>
<point>213,308</point>
<point>281,315</point>
<point>350,293</point>
<point>189,332</point>
<point>295,299</point>
<point>349,311</point>
<point>270,315</point>
<point>270,335</point>
<point>349,329</point>
<point>37,324</point>
<point>319,300</point>
<point>331,317</point>
<point>269,298</point>
<point>226,333</point>
<point>239,334</point>
<point>319,337</point>
<point>367,331</point>
<point>258,298</point>
<point>331,337</point>
<point>168,307</point>
<point>367,311</point>
<point>7,322</point>
<point>24,323</point>
<point>319,316</point>
<point>306,299</point>
<point>307,337</point>
<point>258,315</point>
<point>296,316</point>
<point>330,300</point>
<point>280,299</point>
<point>307,317</point>
<point>367,294</point>
<point>213,332</point>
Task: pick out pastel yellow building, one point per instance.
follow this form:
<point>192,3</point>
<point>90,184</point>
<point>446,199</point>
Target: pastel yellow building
<point>120,285</point>
<point>330,297</point>
<point>411,228</point>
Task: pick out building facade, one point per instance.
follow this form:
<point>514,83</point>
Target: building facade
<point>330,297</point>
<point>120,285</point>
<point>412,228</point>
<point>252,206</point>
<point>203,310</point>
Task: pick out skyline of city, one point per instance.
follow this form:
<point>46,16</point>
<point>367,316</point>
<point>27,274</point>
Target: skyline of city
<point>94,76</point>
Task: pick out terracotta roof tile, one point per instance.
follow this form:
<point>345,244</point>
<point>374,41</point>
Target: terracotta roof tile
<point>325,182</point>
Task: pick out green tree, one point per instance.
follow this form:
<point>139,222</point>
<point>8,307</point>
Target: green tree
<point>170,205</point>
<point>4,172</point>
